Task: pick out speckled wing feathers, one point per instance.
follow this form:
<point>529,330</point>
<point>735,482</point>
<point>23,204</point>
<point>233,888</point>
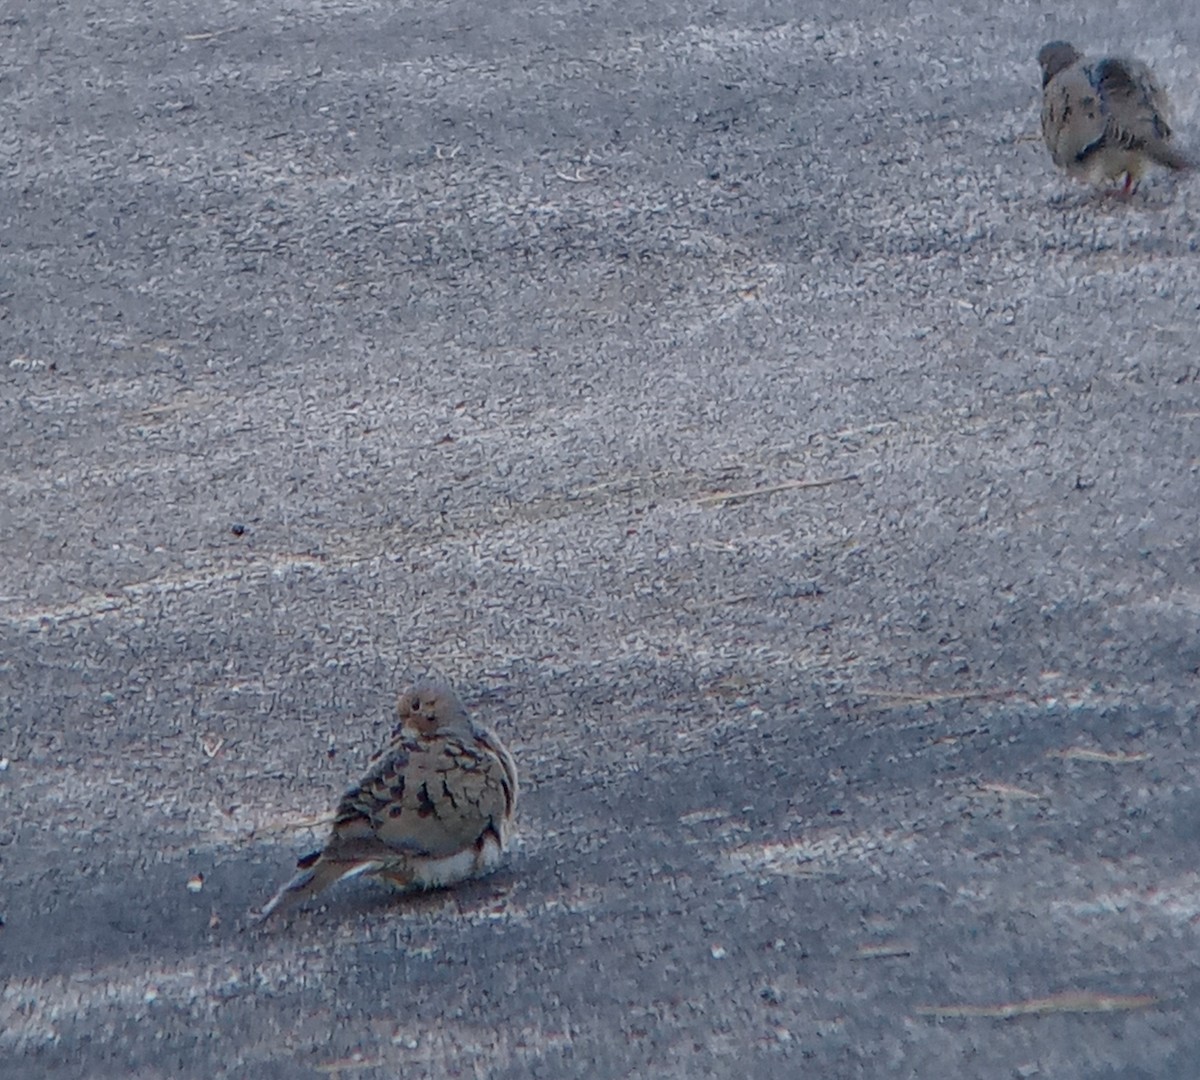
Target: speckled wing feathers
<point>1138,110</point>
<point>1135,105</point>
<point>432,797</point>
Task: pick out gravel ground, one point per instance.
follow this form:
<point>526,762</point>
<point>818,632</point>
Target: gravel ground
<point>736,405</point>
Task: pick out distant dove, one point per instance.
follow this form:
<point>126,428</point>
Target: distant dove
<point>435,808</point>
<point>1103,119</point>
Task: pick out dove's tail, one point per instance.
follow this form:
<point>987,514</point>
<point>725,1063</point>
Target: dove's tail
<point>1169,156</point>
<point>316,875</point>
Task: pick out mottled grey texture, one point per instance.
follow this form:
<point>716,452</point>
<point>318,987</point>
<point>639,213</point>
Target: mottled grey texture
<point>347,341</point>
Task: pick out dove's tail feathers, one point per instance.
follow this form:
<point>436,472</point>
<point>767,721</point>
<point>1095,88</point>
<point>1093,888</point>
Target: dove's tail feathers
<point>316,875</point>
<point>1169,156</point>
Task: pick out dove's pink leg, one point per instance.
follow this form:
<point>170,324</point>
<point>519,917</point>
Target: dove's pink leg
<point>1124,193</point>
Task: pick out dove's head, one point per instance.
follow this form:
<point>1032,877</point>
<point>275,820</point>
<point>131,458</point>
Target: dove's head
<point>430,706</point>
<point>1056,56</point>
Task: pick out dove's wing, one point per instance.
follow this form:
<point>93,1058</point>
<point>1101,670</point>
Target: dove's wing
<point>1136,106</point>
<point>434,797</point>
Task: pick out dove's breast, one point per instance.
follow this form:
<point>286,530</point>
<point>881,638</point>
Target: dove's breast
<point>476,861</point>
<point>1074,117</point>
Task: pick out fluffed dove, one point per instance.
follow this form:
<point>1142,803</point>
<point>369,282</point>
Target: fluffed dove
<point>435,808</point>
<point>1103,118</point>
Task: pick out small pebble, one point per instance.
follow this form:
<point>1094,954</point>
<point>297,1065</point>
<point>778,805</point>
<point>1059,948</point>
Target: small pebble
<point>772,995</point>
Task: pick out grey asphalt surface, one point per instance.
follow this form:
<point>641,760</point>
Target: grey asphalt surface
<point>347,341</point>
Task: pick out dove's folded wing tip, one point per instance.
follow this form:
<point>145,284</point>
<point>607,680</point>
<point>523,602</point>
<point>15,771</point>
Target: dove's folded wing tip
<point>271,906</point>
<point>1170,157</point>
<point>295,889</point>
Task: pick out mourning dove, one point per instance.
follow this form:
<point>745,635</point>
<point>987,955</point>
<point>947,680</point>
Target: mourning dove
<point>435,808</point>
<point>1103,119</point>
